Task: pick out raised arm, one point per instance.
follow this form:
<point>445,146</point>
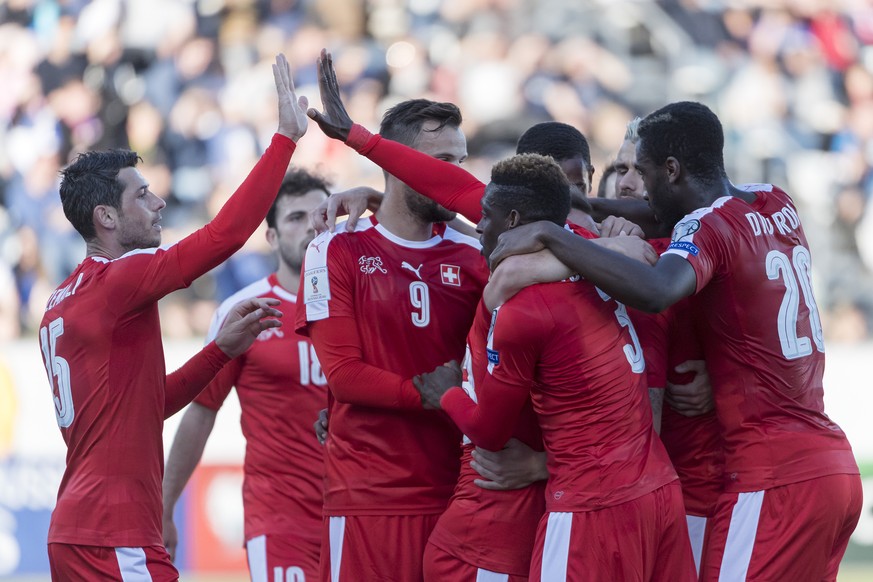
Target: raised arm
<point>446,184</point>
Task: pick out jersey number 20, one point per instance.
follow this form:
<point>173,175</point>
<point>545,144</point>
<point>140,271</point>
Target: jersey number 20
<point>58,371</point>
<point>779,265</point>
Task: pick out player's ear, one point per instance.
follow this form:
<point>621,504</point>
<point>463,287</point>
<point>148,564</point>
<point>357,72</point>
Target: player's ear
<point>590,179</point>
<point>104,216</point>
<point>272,237</point>
<point>674,169</point>
<point>513,219</point>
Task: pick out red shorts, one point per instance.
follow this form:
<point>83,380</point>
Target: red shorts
<point>794,532</point>
<point>283,557</point>
<point>642,539</point>
<point>388,548</point>
<point>72,562</point>
<point>441,566</point>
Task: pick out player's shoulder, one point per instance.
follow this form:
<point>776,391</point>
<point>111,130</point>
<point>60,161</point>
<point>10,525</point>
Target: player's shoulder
<point>456,237</point>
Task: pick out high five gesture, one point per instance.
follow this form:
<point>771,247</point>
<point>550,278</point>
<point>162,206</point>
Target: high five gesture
<point>292,109</point>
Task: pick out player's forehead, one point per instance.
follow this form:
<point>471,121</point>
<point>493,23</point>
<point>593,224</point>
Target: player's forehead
<point>626,153</point>
<point>132,179</point>
<point>303,203</point>
<point>448,140</point>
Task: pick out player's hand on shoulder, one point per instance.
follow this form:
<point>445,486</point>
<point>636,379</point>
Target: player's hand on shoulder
<point>292,109</point>
<point>432,385</point>
<point>695,397</point>
<point>630,246</point>
<point>334,121</point>
<point>520,240</point>
<point>618,226</point>
<point>246,320</point>
<point>514,467</point>
<point>353,202</point>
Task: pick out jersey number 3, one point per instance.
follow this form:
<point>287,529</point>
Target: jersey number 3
<point>58,371</point>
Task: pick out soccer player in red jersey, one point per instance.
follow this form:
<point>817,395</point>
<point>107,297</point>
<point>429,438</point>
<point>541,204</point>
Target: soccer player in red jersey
<point>101,344</point>
<point>382,304</point>
<point>569,347</point>
<point>282,490</point>
<point>792,489</point>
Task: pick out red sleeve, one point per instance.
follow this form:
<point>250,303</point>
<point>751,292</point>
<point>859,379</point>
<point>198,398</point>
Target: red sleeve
<point>187,382</point>
<point>214,395</point>
<point>351,380</point>
<point>146,275</point>
<point>490,423</point>
<point>518,329</point>
<point>703,239</point>
<point>447,184</point>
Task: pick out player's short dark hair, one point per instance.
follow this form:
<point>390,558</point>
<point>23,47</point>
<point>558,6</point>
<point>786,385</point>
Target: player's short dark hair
<point>689,132</point>
<point>91,181</point>
<point>403,122</point>
<point>555,139</point>
<point>297,182</point>
<point>533,185</point>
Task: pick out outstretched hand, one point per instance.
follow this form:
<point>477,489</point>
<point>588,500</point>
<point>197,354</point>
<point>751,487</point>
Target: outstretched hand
<point>292,110</point>
<point>334,121</point>
<point>514,467</point>
<point>245,322</point>
<point>352,202</point>
<point>695,397</point>
<point>432,385</point>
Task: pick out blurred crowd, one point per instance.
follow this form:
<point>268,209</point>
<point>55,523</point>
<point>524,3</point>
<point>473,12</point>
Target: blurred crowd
<point>187,84</point>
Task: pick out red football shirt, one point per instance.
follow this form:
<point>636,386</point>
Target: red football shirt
<point>693,443</point>
<point>494,530</point>
<point>281,389</point>
<point>101,345</point>
<point>569,346</point>
<point>762,340</point>
<point>390,309</point>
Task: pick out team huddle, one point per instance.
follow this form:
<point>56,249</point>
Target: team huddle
<point>550,397</point>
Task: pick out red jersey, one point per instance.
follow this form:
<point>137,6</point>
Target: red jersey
<point>280,397</point>
<point>494,530</point>
<point>763,340</point>
<point>693,442</point>
<point>389,309</point>
<point>101,345</point>
<point>569,346</point>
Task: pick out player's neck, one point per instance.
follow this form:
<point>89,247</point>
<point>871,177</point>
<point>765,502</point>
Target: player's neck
<point>395,217</point>
<point>288,278</point>
<point>102,248</point>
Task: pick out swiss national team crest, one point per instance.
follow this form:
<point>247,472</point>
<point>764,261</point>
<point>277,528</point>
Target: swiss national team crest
<point>370,265</point>
<point>451,275</point>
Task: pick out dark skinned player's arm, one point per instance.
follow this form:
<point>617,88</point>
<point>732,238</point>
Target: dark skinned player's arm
<point>639,285</point>
<point>637,211</point>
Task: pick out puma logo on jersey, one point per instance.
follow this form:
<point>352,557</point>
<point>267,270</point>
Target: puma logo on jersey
<point>406,265</point>
<point>370,265</point>
<point>316,245</point>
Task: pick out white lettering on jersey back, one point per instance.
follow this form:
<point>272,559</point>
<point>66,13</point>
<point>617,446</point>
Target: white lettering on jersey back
<point>64,292</point>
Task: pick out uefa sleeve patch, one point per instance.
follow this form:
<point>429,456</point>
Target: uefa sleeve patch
<point>493,357</point>
<point>316,285</point>
<point>688,247</point>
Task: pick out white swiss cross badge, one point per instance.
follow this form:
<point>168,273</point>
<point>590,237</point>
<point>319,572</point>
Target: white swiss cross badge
<point>451,275</point>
